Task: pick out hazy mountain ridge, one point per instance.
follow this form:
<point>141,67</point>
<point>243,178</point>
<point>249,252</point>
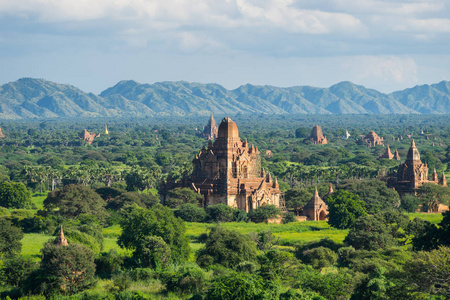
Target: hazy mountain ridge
<point>38,98</point>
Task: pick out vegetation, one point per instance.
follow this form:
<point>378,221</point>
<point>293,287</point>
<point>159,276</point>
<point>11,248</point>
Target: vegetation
<point>108,194</point>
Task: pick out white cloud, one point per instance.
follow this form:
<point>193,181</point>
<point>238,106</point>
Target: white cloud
<point>387,69</point>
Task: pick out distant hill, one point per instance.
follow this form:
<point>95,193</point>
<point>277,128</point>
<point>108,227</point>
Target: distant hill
<point>38,98</point>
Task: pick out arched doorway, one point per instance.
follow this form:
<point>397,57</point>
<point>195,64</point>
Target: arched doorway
<point>322,215</point>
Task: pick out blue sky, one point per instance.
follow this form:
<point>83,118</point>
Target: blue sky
<point>92,44</point>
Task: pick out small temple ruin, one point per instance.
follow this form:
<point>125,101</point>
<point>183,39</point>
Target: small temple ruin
<point>2,135</point>
<point>211,130</point>
<point>229,171</point>
<point>317,136</point>
<point>373,139</point>
<point>387,154</point>
<point>88,137</point>
<point>316,209</point>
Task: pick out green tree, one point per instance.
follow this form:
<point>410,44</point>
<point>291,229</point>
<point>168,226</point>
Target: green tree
<point>264,213</point>
<point>375,194</point>
<point>191,213</point>
<point>73,200</point>
<point>153,252</point>
<point>220,213</point>
<point>370,233</point>
<point>241,286</point>
<point>320,257</point>
<point>227,247</point>
<point>179,196</point>
<point>10,238</point>
<point>344,208</point>
<point>138,223</point>
<point>431,195</point>
<point>64,269</point>
<point>429,272</point>
<point>15,195</point>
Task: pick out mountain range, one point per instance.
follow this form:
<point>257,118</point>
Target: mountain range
<point>39,98</point>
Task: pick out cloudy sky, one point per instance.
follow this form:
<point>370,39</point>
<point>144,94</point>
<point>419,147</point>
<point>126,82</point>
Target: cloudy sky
<point>92,44</point>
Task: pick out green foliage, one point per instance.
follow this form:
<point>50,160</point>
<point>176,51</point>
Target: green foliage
<point>15,195</point>
<point>76,236</point>
<point>410,203</point>
<point>344,208</point>
<point>265,240</point>
<point>153,252</point>
<point>226,247</point>
<point>330,285</point>
<point>319,257</point>
<point>132,198</point>
<point>73,200</point>
<point>378,231</point>
<point>289,217</point>
<point>10,237</point>
<point>191,213</point>
<point>375,194</point>
<point>220,213</point>
<point>185,279</point>
<point>180,196</point>
<point>64,270</point>
<point>16,269</point>
<point>429,236</point>
<point>276,264</point>
<point>108,263</point>
<point>431,195</point>
<point>263,213</point>
<point>241,286</point>
<point>429,272</point>
<point>139,223</point>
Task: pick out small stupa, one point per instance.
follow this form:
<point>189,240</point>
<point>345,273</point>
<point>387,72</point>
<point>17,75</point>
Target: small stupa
<point>61,240</point>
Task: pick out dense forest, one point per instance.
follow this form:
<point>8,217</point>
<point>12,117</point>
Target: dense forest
<point>123,243</point>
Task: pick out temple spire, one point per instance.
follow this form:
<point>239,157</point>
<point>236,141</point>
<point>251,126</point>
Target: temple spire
<point>330,191</point>
<point>61,240</point>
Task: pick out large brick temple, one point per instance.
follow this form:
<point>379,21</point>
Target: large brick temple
<point>229,171</point>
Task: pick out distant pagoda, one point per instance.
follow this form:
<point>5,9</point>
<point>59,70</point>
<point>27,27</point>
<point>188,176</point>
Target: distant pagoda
<point>317,136</point>
<point>211,130</point>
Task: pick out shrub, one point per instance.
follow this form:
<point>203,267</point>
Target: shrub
<point>220,213</point>
<point>15,195</point>
<point>191,213</point>
<point>228,248</point>
<point>263,213</point>
<point>289,217</point>
<point>16,270</point>
<point>108,263</point>
<point>320,257</point>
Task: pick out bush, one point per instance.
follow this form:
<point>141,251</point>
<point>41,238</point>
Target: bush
<point>186,279</point>
<point>263,213</point>
<point>289,218</point>
<point>108,263</point>
<point>228,248</point>
<point>220,213</point>
<point>239,215</point>
<point>10,238</point>
<point>320,257</point>
<point>191,213</point>
<point>153,252</point>
<point>15,195</point>
<point>64,269</point>
<point>180,196</point>
<point>16,270</point>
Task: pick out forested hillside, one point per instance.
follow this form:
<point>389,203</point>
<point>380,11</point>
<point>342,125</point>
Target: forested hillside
<point>38,98</point>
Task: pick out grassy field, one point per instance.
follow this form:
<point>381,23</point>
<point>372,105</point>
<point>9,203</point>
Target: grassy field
<point>433,218</point>
<point>288,234</point>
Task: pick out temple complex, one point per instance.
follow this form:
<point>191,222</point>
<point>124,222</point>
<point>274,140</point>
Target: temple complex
<point>412,174</point>
<point>373,139</point>
<point>229,171</point>
<point>317,136</point>
<point>88,137</point>
<point>316,209</point>
<point>211,130</point>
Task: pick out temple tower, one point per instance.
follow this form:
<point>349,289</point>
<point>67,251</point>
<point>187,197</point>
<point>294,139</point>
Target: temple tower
<point>61,240</point>
<point>316,209</point>
<point>413,171</point>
